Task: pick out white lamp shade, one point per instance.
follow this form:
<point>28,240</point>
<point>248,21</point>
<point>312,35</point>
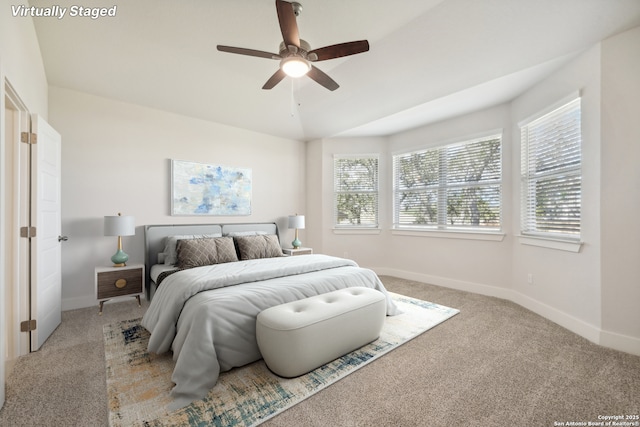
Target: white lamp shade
<point>296,221</point>
<point>119,225</point>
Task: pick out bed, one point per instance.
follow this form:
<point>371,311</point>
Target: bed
<point>205,311</point>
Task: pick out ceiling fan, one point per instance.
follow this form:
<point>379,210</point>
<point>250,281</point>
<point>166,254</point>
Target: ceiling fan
<point>295,54</point>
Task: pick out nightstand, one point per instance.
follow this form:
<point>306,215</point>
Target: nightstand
<point>299,251</point>
<point>112,282</point>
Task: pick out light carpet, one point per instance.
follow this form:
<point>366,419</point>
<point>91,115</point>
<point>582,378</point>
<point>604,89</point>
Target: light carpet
<point>138,384</point>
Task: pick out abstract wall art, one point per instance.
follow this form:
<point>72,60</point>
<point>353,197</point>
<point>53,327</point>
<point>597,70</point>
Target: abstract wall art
<point>202,189</point>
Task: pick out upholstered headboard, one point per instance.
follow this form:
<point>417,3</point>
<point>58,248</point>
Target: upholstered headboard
<point>154,236</point>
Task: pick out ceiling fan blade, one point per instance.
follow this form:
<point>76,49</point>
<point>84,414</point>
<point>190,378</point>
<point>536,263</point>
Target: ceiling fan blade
<point>288,24</point>
<point>275,79</point>
<point>249,52</point>
<point>322,78</point>
<point>340,50</point>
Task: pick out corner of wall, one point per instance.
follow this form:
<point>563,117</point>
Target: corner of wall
<point>620,133</point>
<point>314,204</point>
<point>22,64</point>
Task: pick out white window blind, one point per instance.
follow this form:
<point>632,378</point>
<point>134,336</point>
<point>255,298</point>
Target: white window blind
<point>552,174</point>
<point>457,186</point>
<point>355,191</point>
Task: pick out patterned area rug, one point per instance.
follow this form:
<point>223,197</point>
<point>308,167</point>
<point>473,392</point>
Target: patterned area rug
<point>138,384</point>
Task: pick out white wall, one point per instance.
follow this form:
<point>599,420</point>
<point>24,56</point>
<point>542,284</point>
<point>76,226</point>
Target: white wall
<point>594,292</point>
<point>314,213</point>
<point>620,146</point>
<point>566,285</point>
<point>116,158</point>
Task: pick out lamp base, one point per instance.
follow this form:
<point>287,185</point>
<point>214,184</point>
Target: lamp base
<point>119,259</point>
<point>296,243</point>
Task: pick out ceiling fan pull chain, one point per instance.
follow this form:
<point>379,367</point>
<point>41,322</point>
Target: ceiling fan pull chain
<point>293,101</point>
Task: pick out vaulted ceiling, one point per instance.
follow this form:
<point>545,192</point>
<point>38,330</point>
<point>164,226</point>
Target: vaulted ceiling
<point>428,59</point>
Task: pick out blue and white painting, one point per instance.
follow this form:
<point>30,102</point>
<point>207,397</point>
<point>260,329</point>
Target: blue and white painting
<point>201,189</point>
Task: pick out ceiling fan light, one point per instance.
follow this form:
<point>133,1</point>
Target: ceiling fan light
<point>294,66</point>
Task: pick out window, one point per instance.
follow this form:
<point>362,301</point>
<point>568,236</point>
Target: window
<point>356,191</point>
<point>452,187</point>
<point>551,174</point>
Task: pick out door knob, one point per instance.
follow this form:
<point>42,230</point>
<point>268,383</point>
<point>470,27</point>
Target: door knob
<point>62,238</point>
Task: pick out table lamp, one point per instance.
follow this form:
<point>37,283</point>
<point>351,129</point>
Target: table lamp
<point>296,221</point>
<point>119,226</point>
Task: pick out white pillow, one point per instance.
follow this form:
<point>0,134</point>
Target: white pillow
<point>245,233</point>
<point>170,250</point>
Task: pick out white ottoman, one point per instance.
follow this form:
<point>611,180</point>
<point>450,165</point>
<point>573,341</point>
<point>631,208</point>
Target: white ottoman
<point>299,336</point>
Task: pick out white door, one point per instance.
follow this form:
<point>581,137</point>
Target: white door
<point>46,260</point>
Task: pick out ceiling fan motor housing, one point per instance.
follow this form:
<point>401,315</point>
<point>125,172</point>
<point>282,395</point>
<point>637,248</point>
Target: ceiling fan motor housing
<point>285,50</point>
<point>301,52</point>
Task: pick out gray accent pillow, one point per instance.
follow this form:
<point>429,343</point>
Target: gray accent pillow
<point>199,252</point>
<point>259,246</point>
<point>171,243</point>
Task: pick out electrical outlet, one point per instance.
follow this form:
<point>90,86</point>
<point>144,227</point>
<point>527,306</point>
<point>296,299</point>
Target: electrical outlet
<point>530,278</point>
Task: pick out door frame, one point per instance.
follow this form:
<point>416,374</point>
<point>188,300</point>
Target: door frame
<point>20,210</point>
<point>3,251</point>
<point>15,277</point>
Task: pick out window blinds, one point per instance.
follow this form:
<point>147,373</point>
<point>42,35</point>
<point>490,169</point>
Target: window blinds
<point>551,173</point>
<point>449,187</point>
<point>356,191</point>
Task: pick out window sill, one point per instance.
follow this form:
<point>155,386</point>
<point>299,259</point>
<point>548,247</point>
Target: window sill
<point>562,245</point>
<point>493,236</point>
<point>356,230</point>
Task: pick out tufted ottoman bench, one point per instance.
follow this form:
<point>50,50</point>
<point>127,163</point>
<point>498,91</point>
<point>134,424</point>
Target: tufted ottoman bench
<point>299,336</point>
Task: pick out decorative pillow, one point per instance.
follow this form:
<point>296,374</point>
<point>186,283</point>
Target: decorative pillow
<point>170,254</point>
<point>259,246</point>
<point>208,251</point>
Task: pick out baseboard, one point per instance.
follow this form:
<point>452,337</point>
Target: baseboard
<point>90,301</point>
<point>78,302</point>
<point>460,285</point>
<point>596,335</point>
<point>620,342</point>
<point>9,364</point>
<point>563,319</point>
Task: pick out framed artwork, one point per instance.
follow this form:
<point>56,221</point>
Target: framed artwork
<point>202,189</point>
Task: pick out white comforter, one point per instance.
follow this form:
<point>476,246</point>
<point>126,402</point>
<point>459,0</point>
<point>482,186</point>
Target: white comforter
<point>213,331</point>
